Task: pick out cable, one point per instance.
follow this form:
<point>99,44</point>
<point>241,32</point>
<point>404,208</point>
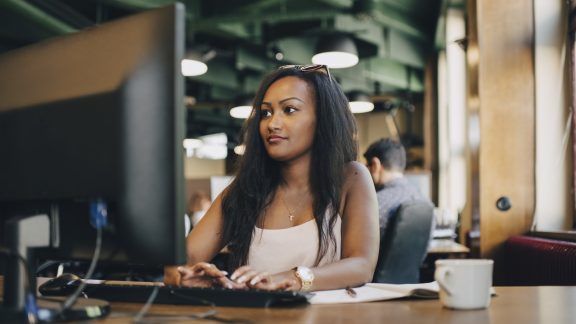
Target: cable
<point>98,218</point>
<point>144,310</point>
<point>210,314</point>
<point>46,265</point>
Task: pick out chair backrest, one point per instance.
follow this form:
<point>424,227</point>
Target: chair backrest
<point>404,243</point>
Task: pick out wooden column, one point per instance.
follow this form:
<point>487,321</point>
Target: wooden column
<point>505,36</point>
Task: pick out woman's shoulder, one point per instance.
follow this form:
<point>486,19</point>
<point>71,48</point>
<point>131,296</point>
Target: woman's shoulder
<point>355,172</point>
<point>355,167</point>
<point>358,191</point>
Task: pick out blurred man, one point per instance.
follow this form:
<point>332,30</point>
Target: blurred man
<point>386,160</point>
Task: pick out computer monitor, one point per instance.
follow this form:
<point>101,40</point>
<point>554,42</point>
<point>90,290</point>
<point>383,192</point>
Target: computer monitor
<point>96,115</point>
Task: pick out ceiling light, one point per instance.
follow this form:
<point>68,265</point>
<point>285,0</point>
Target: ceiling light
<point>337,51</point>
<point>192,143</point>
<point>213,146</point>
<point>216,139</point>
<point>358,107</point>
<point>193,67</point>
<point>241,111</point>
<point>212,152</point>
<point>360,102</point>
<point>240,149</point>
<point>243,107</point>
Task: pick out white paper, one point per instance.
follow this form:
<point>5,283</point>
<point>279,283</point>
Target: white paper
<point>374,292</point>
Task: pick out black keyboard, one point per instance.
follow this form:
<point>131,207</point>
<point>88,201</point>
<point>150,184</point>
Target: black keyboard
<point>138,293</point>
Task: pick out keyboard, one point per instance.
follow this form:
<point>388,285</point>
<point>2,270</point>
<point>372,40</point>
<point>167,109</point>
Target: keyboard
<point>140,292</point>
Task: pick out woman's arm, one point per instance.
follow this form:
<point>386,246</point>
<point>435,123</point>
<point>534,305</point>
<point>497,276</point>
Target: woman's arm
<point>360,234</point>
<point>202,244</point>
<point>204,241</point>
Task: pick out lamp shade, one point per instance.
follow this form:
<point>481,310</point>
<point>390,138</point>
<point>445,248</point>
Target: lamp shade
<point>360,102</point>
<point>337,51</point>
<point>241,112</point>
<point>192,67</point>
<point>243,108</point>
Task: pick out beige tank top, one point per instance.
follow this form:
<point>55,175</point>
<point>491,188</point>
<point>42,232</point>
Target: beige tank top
<point>277,250</point>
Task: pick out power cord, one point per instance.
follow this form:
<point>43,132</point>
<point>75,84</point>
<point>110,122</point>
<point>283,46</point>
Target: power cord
<point>98,219</point>
<point>144,310</point>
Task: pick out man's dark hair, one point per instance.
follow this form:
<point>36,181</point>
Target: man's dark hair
<point>391,154</point>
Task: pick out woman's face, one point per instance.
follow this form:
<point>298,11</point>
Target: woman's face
<point>288,119</point>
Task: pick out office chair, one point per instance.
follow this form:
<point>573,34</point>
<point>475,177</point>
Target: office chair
<point>404,244</point>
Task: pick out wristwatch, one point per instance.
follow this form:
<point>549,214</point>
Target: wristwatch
<point>306,277</point>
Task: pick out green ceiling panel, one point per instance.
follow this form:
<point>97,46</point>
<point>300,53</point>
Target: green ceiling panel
<point>219,74</point>
<point>406,51</point>
<point>248,60</point>
<point>352,79</point>
<point>37,16</point>
<point>297,50</point>
<point>394,74</point>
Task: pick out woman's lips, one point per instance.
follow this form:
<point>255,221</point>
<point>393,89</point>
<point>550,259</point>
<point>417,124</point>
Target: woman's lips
<point>275,139</point>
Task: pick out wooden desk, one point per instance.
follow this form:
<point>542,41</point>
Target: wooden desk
<point>525,305</point>
<point>446,246</point>
<point>440,249</point>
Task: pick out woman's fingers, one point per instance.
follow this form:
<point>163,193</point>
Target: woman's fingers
<point>205,274</point>
<point>239,272</point>
<point>263,277</point>
<point>285,284</point>
<point>227,283</point>
<point>210,270</point>
<point>200,269</point>
<point>246,277</point>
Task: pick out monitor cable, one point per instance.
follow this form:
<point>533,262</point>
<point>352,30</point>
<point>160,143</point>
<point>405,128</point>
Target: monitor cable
<point>98,219</point>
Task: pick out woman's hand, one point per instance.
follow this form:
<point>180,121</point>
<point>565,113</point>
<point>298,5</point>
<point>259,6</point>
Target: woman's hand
<point>251,278</point>
<point>205,274</point>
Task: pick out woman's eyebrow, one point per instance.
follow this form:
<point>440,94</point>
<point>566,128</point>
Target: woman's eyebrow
<point>283,100</point>
<point>291,98</point>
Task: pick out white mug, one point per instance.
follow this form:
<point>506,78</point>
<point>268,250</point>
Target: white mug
<point>464,283</point>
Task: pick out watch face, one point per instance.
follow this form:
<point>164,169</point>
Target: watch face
<point>305,273</point>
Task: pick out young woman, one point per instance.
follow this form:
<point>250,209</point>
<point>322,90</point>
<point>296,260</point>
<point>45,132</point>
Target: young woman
<point>301,213</point>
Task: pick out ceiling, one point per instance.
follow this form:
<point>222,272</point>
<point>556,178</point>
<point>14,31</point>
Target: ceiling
<point>240,40</point>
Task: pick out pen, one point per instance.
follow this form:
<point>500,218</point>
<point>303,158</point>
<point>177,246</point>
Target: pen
<point>351,292</point>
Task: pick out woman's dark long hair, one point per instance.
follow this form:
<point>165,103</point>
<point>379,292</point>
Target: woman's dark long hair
<point>258,175</point>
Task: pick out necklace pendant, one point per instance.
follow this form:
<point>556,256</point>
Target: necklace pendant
<point>291,217</point>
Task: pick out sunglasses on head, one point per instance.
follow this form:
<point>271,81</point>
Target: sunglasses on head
<point>309,68</point>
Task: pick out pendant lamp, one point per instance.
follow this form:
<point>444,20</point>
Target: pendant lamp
<point>243,107</point>
<point>360,102</point>
<point>337,51</point>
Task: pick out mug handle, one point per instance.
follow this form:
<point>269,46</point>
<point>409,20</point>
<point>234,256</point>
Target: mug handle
<point>440,276</point>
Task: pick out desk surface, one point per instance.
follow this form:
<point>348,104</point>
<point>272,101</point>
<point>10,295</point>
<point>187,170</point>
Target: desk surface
<point>527,305</point>
<point>512,305</point>
<point>446,246</point>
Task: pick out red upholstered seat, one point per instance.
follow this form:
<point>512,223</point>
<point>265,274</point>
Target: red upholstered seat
<point>533,261</point>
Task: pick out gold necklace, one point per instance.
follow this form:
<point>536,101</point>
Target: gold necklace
<point>290,212</point>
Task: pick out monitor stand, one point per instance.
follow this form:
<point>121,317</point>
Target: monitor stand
<point>23,234</point>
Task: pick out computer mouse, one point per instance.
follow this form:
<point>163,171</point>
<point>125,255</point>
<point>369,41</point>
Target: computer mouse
<point>58,286</point>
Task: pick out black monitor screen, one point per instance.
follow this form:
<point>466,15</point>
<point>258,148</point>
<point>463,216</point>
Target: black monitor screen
<point>99,114</point>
